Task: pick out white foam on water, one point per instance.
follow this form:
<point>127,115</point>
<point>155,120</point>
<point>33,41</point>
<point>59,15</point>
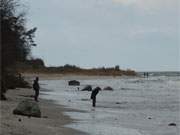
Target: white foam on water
<point>100,129</point>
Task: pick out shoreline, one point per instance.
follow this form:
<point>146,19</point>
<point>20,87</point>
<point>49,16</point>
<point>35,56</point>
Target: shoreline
<point>52,121</point>
<point>136,109</point>
<point>44,76</point>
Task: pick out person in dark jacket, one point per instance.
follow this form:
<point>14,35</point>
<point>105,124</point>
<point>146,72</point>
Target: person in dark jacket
<point>93,95</point>
<point>36,88</point>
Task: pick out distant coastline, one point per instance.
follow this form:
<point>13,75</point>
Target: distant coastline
<point>74,70</point>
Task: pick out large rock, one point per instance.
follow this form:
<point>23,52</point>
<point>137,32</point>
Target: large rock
<point>28,108</point>
<point>74,82</point>
<point>108,88</point>
<point>87,88</point>
<point>172,124</point>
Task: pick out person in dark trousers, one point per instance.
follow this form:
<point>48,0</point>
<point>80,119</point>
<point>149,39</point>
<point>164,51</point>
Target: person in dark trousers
<point>36,88</point>
<point>93,95</point>
<point>144,74</point>
<point>147,74</point>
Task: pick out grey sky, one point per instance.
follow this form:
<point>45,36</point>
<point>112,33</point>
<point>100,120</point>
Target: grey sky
<point>136,34</point>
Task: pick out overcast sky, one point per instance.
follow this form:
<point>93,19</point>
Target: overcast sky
<point>136,34</point>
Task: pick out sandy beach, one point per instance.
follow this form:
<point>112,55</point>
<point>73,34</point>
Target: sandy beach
<point>51,123</point>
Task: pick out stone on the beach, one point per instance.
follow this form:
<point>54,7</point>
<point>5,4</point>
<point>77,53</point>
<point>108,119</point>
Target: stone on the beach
<point>45,116</point>
<point>3,97</point>
<point>87,88</point>
<point>172,124</point>
<point>28,108</point>
<point>74,82</point>
<point>108,88</point>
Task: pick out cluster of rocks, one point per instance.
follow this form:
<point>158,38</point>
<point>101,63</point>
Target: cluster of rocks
<point>87,87</point>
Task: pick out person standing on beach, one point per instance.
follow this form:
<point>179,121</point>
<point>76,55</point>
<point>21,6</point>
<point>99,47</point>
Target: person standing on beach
<point>93,95</point>
<point>36,88</point>
<point>147,74</point>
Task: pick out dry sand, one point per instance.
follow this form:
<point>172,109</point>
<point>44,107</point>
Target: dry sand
<point>51,123</point>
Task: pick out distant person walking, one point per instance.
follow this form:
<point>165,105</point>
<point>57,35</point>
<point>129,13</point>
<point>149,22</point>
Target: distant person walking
<point>93,95</point>
<point>36,88</point>
<point>146,74</point>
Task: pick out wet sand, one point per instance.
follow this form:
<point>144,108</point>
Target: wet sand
<point>51,123</point>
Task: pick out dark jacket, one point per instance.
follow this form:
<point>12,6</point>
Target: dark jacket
<point>95,92</point>
<point>36,85</point>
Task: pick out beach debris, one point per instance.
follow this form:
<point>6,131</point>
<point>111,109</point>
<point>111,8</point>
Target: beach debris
<point>28,108</point>
<point>149,118</point>
<point>27,96</point>
<point>74,83</point>
<point>108,88</point>
<point>19,119</point>
<point>172,124</point>
<point>118,103</point>
<point>6,124</point>
<point>45,116</point>
<point>85,99</point>
<point>87,88</point>
<point>126,88</point>
<point>3,97</point>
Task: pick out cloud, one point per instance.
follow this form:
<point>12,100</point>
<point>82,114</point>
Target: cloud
<point>126,2</point>
<point>72,29</point>
<point>138,32</point>
<point>149,4</point>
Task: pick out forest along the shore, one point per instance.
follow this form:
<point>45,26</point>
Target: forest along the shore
<point>16,44</point>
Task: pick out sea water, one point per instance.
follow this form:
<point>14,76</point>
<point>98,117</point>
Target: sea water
<point>136,106</point>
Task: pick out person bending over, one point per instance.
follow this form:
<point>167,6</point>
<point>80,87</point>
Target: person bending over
<point>93,95</point>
